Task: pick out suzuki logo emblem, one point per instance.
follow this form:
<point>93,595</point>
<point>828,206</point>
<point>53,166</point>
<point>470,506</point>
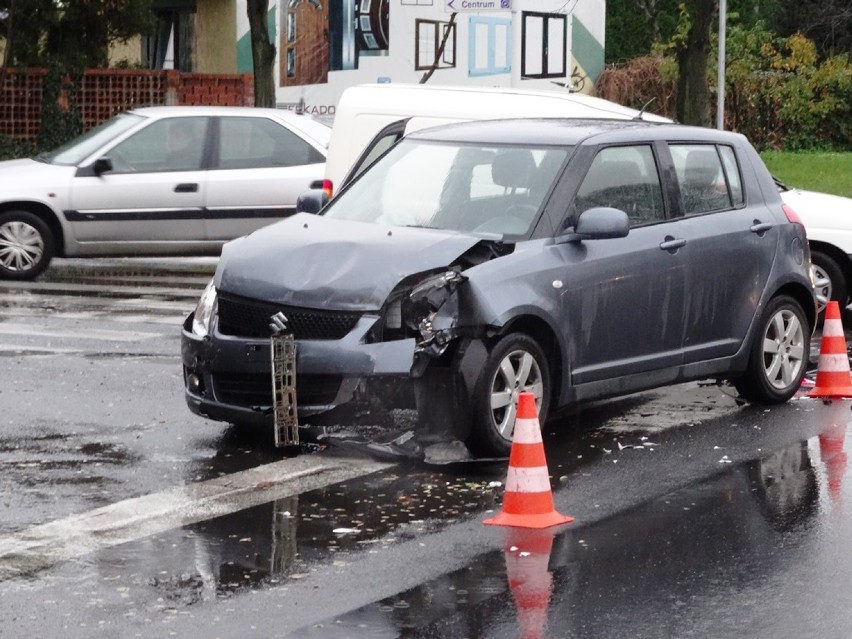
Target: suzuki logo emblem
<point>278,322</point>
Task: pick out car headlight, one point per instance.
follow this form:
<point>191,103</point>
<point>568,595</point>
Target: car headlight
<point>204,311</point>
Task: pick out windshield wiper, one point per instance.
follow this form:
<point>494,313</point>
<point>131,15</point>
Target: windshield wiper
<point>44,156</point>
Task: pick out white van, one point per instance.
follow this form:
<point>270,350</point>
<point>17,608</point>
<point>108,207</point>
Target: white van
<point>371,117</point>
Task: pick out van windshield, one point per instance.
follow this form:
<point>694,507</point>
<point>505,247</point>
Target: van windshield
<point>452,186</point>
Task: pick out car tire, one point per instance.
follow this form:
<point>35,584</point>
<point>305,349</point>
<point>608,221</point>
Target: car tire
<point>26,245</point>
<point>514,364</point>
<point>779,354</point>
<point>829,281</point>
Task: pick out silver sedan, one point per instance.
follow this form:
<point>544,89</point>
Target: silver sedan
<point>157,181</point>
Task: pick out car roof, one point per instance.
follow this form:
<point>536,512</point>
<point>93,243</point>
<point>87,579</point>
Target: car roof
<point>304,122</point>
<point>568,131</point>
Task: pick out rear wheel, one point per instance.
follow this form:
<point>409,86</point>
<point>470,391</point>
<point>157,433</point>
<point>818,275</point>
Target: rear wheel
<point>26,245</point>
<point>829,282</point>
<point>515,364</point>
<point>779,354</point>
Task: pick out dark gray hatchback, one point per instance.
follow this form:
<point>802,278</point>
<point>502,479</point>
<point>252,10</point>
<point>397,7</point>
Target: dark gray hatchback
<point>575,259</point>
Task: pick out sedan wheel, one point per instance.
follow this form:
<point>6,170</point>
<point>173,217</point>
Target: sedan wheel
<point>516,364</point>
<point>829,282</point>
<point>779,354</point>
<point>26,245</point>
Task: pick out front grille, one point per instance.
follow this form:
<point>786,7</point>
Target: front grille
<point>256,389</point>
<point>243,317</point>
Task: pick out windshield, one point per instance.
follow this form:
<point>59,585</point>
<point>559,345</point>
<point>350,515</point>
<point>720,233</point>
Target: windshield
<point>452,186</point>
<point>81,147</point>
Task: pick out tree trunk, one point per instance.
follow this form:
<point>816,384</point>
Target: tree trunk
<point>693,89</point>
<point>262,54</point>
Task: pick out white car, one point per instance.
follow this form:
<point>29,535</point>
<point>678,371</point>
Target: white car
<point>157,181</point>
<point>828,221</point>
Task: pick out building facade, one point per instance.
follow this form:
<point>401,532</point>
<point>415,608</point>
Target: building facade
<point>325,46</point>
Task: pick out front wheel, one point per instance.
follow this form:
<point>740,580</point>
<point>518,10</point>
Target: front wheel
<point>26,245</point>
<point>515,364</point>
<point>779,354</point>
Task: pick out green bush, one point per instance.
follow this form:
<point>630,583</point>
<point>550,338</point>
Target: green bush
<point>781,96</point>
<point>60,118</point>
<point>777,91</point>
<point>11,148</point>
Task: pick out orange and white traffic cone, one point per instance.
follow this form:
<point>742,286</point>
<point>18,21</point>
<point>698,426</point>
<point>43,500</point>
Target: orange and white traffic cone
<point>528,500</point>
<point>527,554</point>
<point>833,375</point>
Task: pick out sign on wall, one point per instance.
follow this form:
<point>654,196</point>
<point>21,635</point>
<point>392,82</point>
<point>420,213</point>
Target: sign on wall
<point>463,6</point>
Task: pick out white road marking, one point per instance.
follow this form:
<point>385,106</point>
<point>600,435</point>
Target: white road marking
<point>83,333</point>
<point>42,546</point>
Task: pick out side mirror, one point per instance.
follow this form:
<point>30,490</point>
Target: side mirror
<point>311,201</point>
<point>102,165</point>
<point>599,223</point>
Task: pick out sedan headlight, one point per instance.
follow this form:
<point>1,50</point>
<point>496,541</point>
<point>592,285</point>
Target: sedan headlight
<point>204,311</point>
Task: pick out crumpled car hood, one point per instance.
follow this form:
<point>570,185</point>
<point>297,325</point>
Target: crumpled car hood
<point>316,262</point>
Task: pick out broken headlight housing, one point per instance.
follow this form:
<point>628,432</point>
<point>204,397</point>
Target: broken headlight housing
<point>204,311</point>
<point>412,310</point>
<point>419,310</point>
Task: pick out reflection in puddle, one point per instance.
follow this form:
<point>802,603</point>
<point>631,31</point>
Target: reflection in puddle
<point>634,573</point>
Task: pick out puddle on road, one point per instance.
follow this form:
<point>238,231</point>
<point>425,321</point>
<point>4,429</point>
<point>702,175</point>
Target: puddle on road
<point>639,572</point>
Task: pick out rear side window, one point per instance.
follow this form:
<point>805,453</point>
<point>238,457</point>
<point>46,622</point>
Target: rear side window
<point>624,178</point>
<point>732,173</point>
<point>708,176</point>
<point>253,143</point>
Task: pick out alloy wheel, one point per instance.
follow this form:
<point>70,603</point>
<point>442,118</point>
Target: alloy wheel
<point>518,372</point>
<point>783,349</point>
<point>822,287</point>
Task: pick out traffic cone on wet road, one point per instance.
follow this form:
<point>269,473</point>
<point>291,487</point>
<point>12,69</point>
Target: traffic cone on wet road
<point>527,554</point>
<point>833,375</point>
<point>834,458</point>
<point>528,500</point>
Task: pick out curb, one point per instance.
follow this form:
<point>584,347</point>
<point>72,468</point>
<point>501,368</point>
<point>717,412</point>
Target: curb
<point>70,269</point>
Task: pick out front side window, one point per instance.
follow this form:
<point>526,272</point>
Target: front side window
<point>253,143</point>
<point>170,144</point>
<point>702,178</point>
<point>461,187</point>
<point>624,178</point>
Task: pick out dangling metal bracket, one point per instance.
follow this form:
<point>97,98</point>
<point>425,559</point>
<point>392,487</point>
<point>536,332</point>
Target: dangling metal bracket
<point>283,352</point>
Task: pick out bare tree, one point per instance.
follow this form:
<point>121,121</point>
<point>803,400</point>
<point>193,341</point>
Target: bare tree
<point>693,56</point>
<point>262,53</point>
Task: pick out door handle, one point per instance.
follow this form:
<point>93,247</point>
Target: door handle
<point>760,227</point>
<point>187,187</point>
<point>672,244</point>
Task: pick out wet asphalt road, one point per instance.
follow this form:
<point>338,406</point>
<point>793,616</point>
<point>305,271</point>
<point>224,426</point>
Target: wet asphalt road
<point>694,517</point>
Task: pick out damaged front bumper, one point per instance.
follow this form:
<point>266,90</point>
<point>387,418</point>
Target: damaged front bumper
<point>229,378</point>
